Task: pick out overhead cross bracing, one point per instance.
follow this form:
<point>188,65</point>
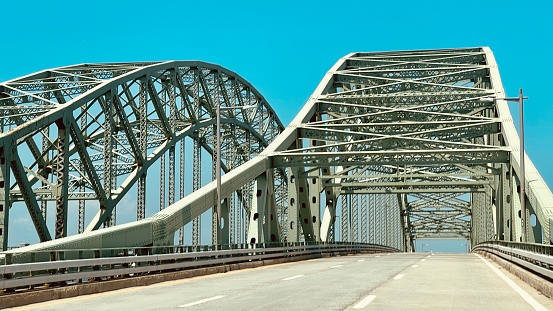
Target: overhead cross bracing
<point>410,124</point>
<point>416,124</point>
<point>390,148</point>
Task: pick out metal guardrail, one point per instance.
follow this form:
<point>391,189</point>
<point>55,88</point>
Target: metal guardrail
<point>537,258</point>
<point>61,272</point>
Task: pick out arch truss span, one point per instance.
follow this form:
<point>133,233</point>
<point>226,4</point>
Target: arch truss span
<point>412,147</point>
<point>390,148</point>
<point>88,135</point>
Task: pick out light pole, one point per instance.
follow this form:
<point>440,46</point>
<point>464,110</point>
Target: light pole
<point>522,179</point>
<point>218,109</point>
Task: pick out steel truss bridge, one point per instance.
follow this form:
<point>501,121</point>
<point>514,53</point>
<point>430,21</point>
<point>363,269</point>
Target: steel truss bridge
<point>390,148</point>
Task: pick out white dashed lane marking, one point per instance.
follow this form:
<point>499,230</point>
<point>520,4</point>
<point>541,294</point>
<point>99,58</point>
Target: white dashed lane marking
<point>399,276</point>
<point>293,277</point>
<point>201,301</point>
<point>363,303</point>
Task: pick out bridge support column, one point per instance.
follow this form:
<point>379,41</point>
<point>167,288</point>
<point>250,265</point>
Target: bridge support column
<point>272,225</point>
<point>229,210</point>
<point>4,198</point>
<point>364,206</point>
<point>314,205</point>
<point>215,226</point>
<point>504,205</point>
<point>196,182</point>
<point>328,221</point>
<point>535,233</point>
<point>182,158</point>
<point>345,218</point>
<point>62,178</point>
<point>354,203</point>
<point>82,188</point>
<point>314,190</point>
<point>482,226</point>
<point>299,210</point>
<point>389,212</point>
<point>46,158</point>
<point>142,144</point>
<point>380,219</point>
<point>405,224</point>
<point>263,224</point>
<point>372,218</point>
<point>516,211</point>
<point>304,208</point>
<point>255,225</point>
<point>225,230</point>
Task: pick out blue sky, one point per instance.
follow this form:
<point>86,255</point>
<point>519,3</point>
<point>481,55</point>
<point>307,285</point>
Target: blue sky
<point>285,47</point>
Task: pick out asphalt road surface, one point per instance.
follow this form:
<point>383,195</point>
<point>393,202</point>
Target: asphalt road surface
<point>415,281</point>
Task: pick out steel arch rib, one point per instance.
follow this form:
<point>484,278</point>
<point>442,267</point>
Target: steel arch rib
<point>57,113</point>
<point>538,193</point>
<point>260,120</point>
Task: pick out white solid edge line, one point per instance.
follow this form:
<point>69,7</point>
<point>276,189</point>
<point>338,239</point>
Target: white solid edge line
<point>201,301</point>
<point>293,277</point>
<point>363,303</point>
<point>529,299</point>
<point>399,276</point>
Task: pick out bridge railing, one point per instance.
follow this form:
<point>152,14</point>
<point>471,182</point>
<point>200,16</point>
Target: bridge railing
<point>141,261</point>
<point>537,258</point>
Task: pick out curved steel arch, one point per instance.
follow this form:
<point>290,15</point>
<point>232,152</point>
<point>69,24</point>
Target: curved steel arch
<point>54,147</point>
<point>409,133</point>
<point>538,194</point>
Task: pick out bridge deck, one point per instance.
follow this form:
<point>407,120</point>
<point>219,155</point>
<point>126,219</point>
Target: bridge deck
<point>413,281</point>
